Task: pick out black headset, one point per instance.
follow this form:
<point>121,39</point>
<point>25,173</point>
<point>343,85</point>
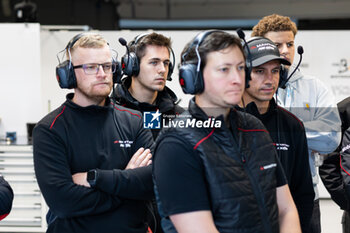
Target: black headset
<point>65,72</point>
<point>130,63</point>
<point>190,74</point>
<point>248,60</point>
<point>283,77</point>
<point>248,64</point>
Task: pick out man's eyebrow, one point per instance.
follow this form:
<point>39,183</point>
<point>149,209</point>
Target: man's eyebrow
<point>259,67</point>
<point>158,59</point>
<point>291,41</point>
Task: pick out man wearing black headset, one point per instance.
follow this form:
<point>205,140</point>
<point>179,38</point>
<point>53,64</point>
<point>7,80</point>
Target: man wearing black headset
<point>147,67</point>
<point>216,169</point>
<point>6,198</point>
<point>90,154</point>
<point>286,130</point>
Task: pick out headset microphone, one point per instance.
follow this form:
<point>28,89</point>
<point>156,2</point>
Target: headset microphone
<point>249,65</point>
<point>123,42</point>
<point>300,50</point>
<point>283,80</point>
<point>241,34</point>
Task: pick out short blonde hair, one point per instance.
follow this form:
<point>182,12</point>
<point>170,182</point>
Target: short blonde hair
<point>86,40</point>
<point>274,23</point>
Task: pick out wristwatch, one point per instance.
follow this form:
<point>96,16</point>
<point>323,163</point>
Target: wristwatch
<point>92,177</point>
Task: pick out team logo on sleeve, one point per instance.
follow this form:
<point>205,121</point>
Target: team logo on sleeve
<point>151,120</point>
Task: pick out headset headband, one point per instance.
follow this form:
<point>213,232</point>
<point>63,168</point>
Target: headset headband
<point>74,40</point>
<point>197,42</point>
<point>139,37</point>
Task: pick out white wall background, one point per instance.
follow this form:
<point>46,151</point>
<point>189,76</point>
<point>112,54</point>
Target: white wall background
<point>20,83</point>
<point>323,53</point>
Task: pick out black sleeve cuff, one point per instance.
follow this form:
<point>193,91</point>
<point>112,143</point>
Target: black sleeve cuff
<point>106,180</point>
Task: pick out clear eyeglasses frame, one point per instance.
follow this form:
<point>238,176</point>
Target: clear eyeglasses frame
<point>93,68</point>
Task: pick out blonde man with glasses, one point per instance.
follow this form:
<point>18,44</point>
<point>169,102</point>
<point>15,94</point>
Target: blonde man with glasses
<point>90,155</point>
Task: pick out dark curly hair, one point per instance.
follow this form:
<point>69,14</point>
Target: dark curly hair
<point>275,23</point>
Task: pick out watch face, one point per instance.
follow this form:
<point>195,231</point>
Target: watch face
<point>91,175</point>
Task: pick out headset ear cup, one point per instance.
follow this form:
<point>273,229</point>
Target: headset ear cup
<point>190,80</point>
<point>171,64</point>
<point>247,76</point>
<point>65,75</point>
<point>170,72</point>
<point>117,75</point>
<point>130,65</point>
<point>283,77</point>
<point>64,71</point>
<point>135,65</point>
<point>126,65</point>
<point>187,74</point>
<point>199,83</point>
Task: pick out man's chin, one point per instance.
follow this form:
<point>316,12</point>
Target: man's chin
<point>232,103</point>
<point>102,89</point>
<point>158,87</point>
<point>101,93</point>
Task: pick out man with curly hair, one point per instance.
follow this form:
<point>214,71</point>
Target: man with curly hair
<point>314,105</point>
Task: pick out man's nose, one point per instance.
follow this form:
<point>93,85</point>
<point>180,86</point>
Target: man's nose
<point>284,49</point>
<point>269,77</point>
<point>162,67</point>
<point>101,71</point>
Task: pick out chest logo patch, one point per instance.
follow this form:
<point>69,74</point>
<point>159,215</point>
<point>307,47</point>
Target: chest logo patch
<point>282,146</point>
<point>123,143</point>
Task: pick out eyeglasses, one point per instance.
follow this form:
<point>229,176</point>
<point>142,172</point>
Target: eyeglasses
<point>93,68</point>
